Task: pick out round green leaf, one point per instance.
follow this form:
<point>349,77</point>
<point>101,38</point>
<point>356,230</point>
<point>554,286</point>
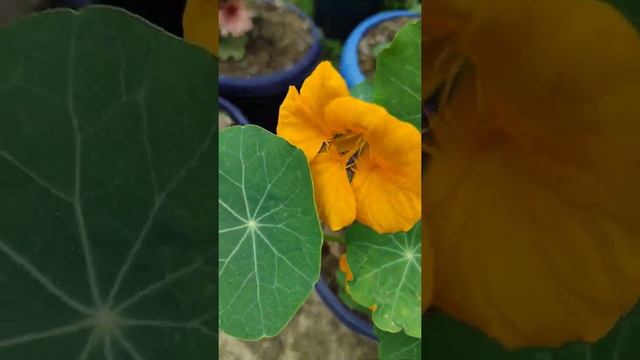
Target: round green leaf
<point>107,136</point>
<point>386,272</point>
<point>269,232</point>
<point>397,81</point>
<point>447,338</point>
<point>398,346</point>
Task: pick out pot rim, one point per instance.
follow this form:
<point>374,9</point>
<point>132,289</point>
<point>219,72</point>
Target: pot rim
<point>234,111</point>
<point>349,64</point>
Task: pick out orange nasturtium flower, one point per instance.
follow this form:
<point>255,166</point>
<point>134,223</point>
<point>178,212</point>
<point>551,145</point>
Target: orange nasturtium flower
<point>532,190</point>
<point>200,24</point>
<point>365,163</point>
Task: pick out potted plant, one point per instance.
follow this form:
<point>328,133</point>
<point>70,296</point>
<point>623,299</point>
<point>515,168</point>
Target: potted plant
<point>265,46</point>
<point>106,154</point>
<point>273,219</point>
<point>358,60</point>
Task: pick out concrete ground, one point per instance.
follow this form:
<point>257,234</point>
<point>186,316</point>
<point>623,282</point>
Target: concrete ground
<point>313,334</point>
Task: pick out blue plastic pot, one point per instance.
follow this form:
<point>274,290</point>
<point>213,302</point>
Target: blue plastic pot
<point>260,97</point>
<point>342,312</point>
<point>349,66</point>
<point>233,111</point>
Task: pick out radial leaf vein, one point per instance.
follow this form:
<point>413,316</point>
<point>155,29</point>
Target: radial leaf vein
<point>278,254</point>
<point>147,226</point>
<point>270,184</point>
<point>39,180</point>
<point>160,284</point>
<point>58,331</point>
<point>77,200</point>
<point>42,279</point>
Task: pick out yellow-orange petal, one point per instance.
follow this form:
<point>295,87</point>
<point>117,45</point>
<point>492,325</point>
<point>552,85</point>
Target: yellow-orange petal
<point>200,24</point>
<point>387,181</point>
<point>300,126</point>
<point>301,120</point>
<point>344,267</point>
<point>324,85</point>
<point>532,210</point>
<point>351,115</point>
<point>334,196</point>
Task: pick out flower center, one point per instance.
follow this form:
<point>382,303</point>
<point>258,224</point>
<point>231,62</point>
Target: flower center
<point>348,145</point>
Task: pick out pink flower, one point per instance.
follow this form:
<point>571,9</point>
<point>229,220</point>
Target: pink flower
<point>235,18</point>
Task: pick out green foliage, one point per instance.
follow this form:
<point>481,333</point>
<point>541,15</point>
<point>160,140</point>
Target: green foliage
<point>346,298</point>
<point>399,346</point>
<point>397,81</point>
<point>401,4</point>
<point>387,272</point>
<point>107,137</point>
<point>269,233</point>
<point>331,50</point>
<point>449,339</point>
<point>363,91</point>
<point>305,5</point>
<point>232,48</point>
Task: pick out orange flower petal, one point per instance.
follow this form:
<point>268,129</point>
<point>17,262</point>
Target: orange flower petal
<point>323,86</point>
<point>301,120</point>
<point>200,24</point>
<point>386,202</point>
<point>344,267</point>
<point>334,196</point>
<point>299,126</point>
<point>532,197</point>
<point>351,115</point>
<point>387,181</point>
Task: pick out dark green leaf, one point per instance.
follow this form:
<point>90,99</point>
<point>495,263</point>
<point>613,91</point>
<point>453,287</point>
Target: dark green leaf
<point>399,346</point>
<point>269,232</point>
<point>448,339</point>
<point>107,188</point>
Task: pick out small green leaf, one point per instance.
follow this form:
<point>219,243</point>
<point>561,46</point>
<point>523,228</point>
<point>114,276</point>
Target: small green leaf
<point>233,47</point>
<point>378,48</point>
<point>397,82</point>
<point>269,233</point>
<point>346,298</point>
<point>363,91</point>
<point>387,272</point>
<point>107,140</point>
<point>447,338</point>
<point>398,346</point>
